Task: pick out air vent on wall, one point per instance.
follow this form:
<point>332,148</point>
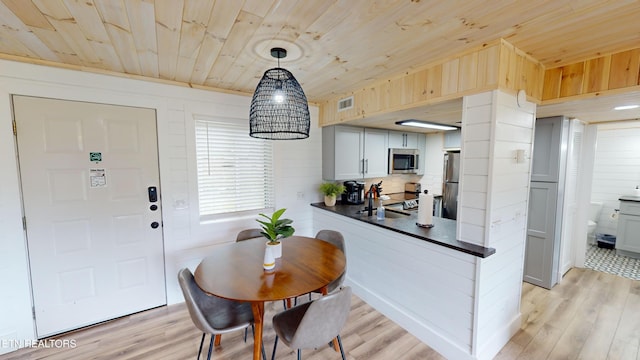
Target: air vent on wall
<point>345,104</point>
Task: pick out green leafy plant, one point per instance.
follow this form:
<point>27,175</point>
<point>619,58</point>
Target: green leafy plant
<point>274,227</point>
<point>331,189</point>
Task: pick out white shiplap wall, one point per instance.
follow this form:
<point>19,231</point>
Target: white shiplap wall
<point>297,173</point>
<point>500,276</point>
<point>493,205</point>
<point>616,169</point>
<point>477,118</point>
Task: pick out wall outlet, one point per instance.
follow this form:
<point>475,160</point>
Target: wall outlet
<point>300,195</point>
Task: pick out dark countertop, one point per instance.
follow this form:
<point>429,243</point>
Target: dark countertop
<point>442,233</point>
<point>629,198</point>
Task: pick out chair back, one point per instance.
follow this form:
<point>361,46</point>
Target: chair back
<point>193,297</point>
<point>248,234</point>
<point>324,319</point>
<point>335,238</point>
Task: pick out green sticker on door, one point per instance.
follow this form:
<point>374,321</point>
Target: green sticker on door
<point>95,156</point>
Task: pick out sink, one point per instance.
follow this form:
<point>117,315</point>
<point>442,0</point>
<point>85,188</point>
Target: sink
<point>391,214</point>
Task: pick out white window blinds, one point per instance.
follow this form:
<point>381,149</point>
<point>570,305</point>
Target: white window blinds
<point>235,171</point>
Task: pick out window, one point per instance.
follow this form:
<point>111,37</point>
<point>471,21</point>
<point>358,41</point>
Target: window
<point>234,170</point>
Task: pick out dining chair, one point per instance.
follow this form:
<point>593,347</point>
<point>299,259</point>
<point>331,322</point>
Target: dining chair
<point>247,234</point>
<point>335,238</point>
<point>313,324</point>
<point>211,314</point>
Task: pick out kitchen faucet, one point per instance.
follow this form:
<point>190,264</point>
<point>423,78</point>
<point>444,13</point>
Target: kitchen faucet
<point>370,192</point>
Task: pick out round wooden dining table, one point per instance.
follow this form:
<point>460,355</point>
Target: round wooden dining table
<point>235,272</point>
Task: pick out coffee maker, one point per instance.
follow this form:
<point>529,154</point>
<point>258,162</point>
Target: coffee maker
<point>354,192</point>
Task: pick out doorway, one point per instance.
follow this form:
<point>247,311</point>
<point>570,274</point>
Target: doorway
<point>90,189</point>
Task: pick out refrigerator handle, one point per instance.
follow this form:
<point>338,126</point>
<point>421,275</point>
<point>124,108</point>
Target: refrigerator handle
<point>446,166</point>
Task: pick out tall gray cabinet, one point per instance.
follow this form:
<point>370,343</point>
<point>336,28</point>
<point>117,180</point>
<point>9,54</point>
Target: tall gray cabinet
<point>546,193</point>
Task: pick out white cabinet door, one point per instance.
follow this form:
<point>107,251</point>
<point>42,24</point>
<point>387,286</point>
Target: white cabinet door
<point>452,139</point>
<point>349,143</point>
<point>376,144</point>
<point>403,140</point>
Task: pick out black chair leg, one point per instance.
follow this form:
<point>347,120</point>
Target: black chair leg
<point>275,345</point>
<point>210,347</point>
<point>341,349</point>
<point>264,353</point>
<point>299,354</point>
<point>309,296</point>
<point>246,330</point>
<point>201,343</point>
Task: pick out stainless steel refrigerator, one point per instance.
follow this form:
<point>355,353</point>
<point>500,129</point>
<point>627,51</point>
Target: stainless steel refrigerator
<point>450,191</point>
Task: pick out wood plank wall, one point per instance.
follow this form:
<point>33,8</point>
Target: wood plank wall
<point>495,65</point>
<point>609,73</point>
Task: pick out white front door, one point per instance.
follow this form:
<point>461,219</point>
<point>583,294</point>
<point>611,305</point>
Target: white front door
<point>94,233</point>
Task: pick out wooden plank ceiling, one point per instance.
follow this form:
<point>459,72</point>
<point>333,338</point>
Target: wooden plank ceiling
<point>335,45</point>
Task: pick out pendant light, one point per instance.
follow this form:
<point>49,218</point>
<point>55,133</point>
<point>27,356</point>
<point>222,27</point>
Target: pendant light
<point>279,108</point>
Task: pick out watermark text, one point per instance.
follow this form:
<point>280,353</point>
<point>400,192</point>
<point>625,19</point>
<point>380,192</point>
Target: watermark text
<point>45,343</point>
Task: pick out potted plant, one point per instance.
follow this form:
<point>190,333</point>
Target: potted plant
<point>275,228</point>
<point>330,190</point>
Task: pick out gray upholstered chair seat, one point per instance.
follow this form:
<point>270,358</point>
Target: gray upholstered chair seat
<point>313,324</point>
<point>211,314</point>
<point>221,314</point>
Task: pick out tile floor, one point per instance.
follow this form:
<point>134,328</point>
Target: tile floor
<point>606,260</point>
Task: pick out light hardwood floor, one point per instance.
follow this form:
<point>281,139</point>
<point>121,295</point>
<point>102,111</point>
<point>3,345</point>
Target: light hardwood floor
<point>590,315</point>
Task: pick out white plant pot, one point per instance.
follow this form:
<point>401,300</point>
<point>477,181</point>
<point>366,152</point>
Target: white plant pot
<point>330,200</point>
<point>269,261</point>
<point>276,249</point>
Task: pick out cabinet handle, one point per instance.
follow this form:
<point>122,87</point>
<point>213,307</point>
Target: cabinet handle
<point>361,167</point>
<point>366,162</point>
<point>404,140</point>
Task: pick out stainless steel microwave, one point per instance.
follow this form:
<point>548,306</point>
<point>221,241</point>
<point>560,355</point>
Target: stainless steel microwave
<point>403,161</point>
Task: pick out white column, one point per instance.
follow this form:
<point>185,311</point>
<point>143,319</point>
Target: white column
<point>493,204</point>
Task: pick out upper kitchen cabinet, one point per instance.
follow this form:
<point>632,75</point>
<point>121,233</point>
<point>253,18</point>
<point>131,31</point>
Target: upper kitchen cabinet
<point>403,140</point>
<point>353,153</point>
<point>452,140</point>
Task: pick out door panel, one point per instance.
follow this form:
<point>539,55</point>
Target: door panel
<point>546,149</point>
<point>348,155</point>
<point>376,155</point>
<point>539,253</point>
<point>92,253</point>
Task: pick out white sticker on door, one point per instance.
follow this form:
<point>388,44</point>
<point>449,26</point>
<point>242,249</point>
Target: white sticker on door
<point>98,178</point>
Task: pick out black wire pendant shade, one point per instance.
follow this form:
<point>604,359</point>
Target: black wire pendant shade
<point>279,108</point>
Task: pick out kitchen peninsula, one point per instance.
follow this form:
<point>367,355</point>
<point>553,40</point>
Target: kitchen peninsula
<point>442,233</point>
<point>422,279</point>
